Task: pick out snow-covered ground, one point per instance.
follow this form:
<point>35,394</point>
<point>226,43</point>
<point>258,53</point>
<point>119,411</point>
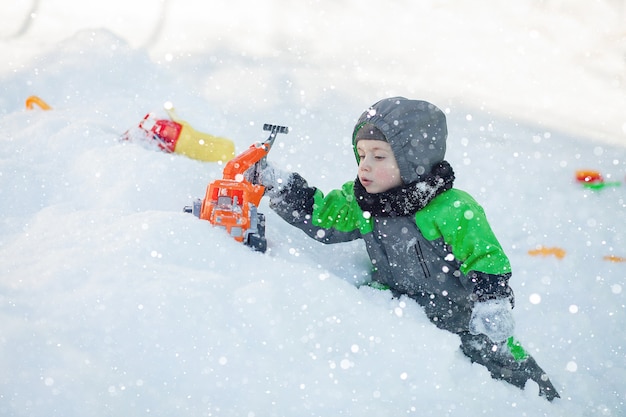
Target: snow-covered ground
<point>115,303</point>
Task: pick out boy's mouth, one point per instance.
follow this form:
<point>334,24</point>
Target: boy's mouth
<point>365,182</point>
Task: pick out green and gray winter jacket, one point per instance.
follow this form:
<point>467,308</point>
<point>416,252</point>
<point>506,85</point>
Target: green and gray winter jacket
<point>426,239</point>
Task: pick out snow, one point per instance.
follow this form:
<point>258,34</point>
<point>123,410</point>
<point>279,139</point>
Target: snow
<point>113,302</point>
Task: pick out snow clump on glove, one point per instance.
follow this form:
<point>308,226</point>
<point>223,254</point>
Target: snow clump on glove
<point>493,318</point>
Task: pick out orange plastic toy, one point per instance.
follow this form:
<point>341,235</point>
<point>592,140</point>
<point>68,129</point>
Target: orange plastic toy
<point>588,176</point>
<point>32,100</point>
<point>614,258</point>
<point>543,251</point>
<point>232,202</point>
<point>593,180</point>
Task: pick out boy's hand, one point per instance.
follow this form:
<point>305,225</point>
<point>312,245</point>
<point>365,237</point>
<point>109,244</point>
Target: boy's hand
<point>273,179</point>
<point>493,318</point>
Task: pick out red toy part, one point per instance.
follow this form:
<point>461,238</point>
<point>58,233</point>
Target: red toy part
<point>589,176</point>
<point>593,180</point>
<point>166,131</point>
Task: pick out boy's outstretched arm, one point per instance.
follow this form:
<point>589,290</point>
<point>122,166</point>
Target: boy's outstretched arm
<point>327,219</point>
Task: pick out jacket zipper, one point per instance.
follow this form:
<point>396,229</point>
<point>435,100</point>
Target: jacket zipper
<point>420,258</point>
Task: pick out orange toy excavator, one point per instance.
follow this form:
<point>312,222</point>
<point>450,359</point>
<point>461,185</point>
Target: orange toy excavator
<point>232,202</point>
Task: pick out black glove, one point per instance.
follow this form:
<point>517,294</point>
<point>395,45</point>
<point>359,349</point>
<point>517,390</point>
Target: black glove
<point>273,179</point>
<point>493,302</point>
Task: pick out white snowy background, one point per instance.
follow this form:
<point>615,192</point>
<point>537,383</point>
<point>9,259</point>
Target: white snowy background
<point>115,303</point>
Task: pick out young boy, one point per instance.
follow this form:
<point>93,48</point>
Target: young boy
<point>425,239</point>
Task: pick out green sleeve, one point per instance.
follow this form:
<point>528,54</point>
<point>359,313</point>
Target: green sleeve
<point>460,221</point>
<point>333,218</point>
<point>339,210</point>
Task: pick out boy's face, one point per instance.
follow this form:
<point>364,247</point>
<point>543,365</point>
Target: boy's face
<point>378,170</point>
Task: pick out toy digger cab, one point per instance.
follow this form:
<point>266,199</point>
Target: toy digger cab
<point>232,202</point>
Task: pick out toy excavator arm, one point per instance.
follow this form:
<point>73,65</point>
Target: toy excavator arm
<point>255,155</point>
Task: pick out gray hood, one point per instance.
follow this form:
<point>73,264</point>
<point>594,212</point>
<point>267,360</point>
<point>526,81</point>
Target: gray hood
<point>416,131</point>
